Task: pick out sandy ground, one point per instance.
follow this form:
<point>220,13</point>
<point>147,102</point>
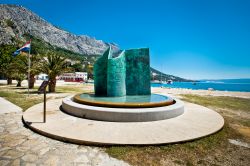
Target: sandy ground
<point>178,91</point>
<point>169,91</point>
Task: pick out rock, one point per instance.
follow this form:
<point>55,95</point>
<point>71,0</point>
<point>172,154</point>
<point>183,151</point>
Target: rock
<point>1,129</point>
<point>41,29</point>
<point>27,148</point>
<point>43,151</point>
<point>21,18</point>
<point>81,159</point>
<point>52,160</point>
<point>31,143</point>
<point>13,154</point>
<point>4,162</point>
<point>16,162</point>
<point>14,142</point>
<point>29,158</point>
<point>23,148</point>
<point>30,164</point>
<point>83,150</point>
<point>39,147</point>
<point>239,143</point>
<point>4,149</point>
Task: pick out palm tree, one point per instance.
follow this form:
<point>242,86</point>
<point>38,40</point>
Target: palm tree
<point>35,60</point>
<point>53,65</point>
<point>20,65</point>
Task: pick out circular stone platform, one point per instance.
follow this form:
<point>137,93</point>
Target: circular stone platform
<point>196,122</point>
<point>122,114</point>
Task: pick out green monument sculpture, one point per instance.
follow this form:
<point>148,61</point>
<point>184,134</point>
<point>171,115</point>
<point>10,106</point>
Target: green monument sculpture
<point>122,73</point>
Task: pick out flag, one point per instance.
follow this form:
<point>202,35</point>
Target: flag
<point>24,48</point>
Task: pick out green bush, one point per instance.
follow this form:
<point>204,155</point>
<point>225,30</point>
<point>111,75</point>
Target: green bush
<point>10,23</point>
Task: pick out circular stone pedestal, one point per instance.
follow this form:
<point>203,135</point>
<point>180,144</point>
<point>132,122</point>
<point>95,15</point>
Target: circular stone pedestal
<point>122,114</point>
<point>196,122</point>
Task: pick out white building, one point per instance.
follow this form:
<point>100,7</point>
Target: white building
<point>74,77</point>
<point>42,77</point>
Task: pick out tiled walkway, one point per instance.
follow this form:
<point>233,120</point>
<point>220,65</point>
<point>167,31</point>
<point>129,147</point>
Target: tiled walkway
<point>20,146</point>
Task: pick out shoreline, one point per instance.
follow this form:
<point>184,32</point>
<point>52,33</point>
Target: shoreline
<point>163,90</point>
<point>179,91</point>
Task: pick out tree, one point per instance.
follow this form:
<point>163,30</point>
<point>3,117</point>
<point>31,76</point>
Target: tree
<point>78,67</point>
<point>10,65</point>
<point>19,69</point>
<point>35,61</point>
<point>19,77</point>
<point>6,59</point>
<point>89,69</point>
<point>53,65</point>
<point>21,66</point>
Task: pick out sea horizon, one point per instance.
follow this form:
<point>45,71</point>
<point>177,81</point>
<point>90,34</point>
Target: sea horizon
<point>236,85</point>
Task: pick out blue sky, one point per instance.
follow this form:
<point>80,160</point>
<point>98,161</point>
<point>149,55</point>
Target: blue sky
<point>194,39</point>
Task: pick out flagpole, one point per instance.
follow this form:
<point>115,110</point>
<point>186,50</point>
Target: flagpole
<point>29,61</point>
<point>29,75</point>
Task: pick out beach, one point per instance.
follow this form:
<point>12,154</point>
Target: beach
<point>176,92</point>
<point>179,91</point>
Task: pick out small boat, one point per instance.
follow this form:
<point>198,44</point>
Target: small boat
<point>163,82</point>
<point>155,81</point>
<point>210,89</point>
<point>169,81</point>
<point>194,83</point>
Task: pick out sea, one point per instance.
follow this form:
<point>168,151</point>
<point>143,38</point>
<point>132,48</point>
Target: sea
<point>240,85</point>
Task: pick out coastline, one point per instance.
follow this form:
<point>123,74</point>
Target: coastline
<point>179,91</point>
<point>164,90</point>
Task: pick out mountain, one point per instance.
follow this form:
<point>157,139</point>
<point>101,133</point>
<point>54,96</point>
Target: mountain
<point>18,24</point>
<point>228,81</point>
<point>157,75</point>
<point>17,21</point>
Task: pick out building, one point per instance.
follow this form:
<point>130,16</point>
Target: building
<point>42,77</point>
<point>74,77</point>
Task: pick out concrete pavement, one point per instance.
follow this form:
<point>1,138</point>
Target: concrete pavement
<point>196,122</point>
<point>8,107</point>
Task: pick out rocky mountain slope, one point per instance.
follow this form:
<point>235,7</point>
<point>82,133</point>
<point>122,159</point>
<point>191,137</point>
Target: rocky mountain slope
<point>157,75</point>
<point>16,21</point>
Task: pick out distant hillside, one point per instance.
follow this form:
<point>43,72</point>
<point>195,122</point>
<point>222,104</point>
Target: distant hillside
<point>15,21</point>
<point>238,80</point>
<point>157,75</point>
<point>18,24</point>
<point>39,46</point>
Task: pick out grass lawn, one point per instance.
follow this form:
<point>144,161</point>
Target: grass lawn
<point>212,150</point>
<point>19,95</point>
<point>221,102</point>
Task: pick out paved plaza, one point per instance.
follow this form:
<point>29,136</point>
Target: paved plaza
<point>20,146</point>
<point>196,122</point>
